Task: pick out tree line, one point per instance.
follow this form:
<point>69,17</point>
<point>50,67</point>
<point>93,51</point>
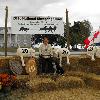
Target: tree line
<point>78,32</point>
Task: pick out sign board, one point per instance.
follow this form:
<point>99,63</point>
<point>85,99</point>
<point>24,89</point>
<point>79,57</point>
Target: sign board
<point>37,25</point>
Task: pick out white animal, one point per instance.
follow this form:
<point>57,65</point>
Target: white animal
<point>61,52</point>
<point>93,51</point>
<point>25,52</point>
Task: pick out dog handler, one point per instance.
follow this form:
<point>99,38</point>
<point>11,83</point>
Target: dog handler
<point>45,52</point>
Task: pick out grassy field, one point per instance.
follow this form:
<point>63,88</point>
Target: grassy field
<point>8,49</point>
<point>13,49</point>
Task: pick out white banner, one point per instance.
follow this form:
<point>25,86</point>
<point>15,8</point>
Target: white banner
<point>37,25</point>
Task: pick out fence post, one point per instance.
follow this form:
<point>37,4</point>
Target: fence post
<point>6,30</point>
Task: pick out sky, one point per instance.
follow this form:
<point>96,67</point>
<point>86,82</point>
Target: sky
<point>78,10</point>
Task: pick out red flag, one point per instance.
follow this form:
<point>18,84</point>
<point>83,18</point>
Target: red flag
<point>96,34</point>
<point>90,39</point>
<point>87,41</point>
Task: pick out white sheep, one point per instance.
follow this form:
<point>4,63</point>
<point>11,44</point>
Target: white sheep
<point>25,52</point>
<point>61,52</point>
<point>93,51</point>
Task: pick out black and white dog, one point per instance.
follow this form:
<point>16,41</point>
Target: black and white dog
<point>57,68</point>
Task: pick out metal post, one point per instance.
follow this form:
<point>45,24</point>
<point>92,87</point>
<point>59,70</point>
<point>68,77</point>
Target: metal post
<point>67,30</point>
<point>5,37</point>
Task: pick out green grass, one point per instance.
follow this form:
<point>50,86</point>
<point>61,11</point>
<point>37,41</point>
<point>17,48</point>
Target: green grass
<point>14,49</point>
<point>8,49</point>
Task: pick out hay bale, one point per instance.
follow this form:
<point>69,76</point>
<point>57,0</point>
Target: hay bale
<point>4,66</point>
<point>75,73</point>
<point>88,64</point>
<point>3,63</point>
<point>21,81</point>
<point>41,84</point>
<point>96,69</point>
<point>83,64</point>
<point>93,80</point>
<point>70,82</point>
<point>73,64</point>
<point>74,61</point>
<point>96,82</point>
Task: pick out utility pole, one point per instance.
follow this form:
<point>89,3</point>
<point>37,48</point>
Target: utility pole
<point>67,30</point>
<point>6,30</point>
